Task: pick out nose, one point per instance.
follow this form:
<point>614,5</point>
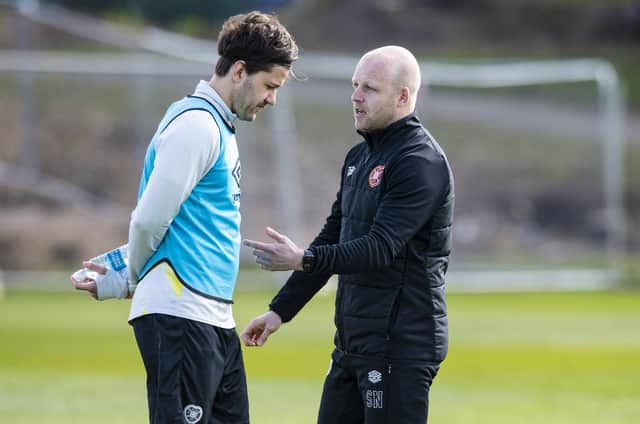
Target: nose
<point>356,96</point>
<point>271,98</point>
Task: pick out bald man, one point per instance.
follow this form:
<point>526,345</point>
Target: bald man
<point>388,237</point>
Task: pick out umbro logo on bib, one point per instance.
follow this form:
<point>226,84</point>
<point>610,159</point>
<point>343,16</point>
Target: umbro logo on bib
<point>237,172</point>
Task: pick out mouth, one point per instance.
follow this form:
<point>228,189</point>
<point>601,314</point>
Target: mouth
<point>359,112</point>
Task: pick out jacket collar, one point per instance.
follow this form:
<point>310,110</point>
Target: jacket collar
<point>376,137</point>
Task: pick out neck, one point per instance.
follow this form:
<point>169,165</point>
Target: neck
<point>222,87</point>
<point>403,113</point>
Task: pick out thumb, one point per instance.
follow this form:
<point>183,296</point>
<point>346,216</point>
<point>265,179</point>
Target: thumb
<point>95,267</point>
<point>275,235</point>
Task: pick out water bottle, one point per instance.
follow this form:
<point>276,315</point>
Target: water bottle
<point>116,259</point>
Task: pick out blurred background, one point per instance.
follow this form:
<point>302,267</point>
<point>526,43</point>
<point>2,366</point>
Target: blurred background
<point>536,102</point>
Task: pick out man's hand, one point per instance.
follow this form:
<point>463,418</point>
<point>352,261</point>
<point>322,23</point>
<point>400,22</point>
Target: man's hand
<point>259,330</point>
<point>88,283</point>
<point>283,255</point>
<point>101,283</point>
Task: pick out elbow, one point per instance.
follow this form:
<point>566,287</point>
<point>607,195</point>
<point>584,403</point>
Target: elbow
<point>139,226</point>
<point>143,225</point>
<point>383,254</point>
<point>385,259</point>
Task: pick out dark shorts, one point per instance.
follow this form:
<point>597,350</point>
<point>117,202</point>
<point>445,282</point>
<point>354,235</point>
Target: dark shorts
<point>195,372</point>
<point>367,390</point>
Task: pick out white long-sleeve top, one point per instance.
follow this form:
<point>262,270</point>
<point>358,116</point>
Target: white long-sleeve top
<point>185,152</point>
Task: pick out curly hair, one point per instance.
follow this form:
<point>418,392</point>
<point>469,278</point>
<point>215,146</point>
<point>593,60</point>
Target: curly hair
<point>257,38</point>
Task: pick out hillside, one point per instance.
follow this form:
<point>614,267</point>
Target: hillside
<point>99,146</point>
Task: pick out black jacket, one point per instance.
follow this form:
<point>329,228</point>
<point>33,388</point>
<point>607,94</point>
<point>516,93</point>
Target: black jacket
<point>388,237</point>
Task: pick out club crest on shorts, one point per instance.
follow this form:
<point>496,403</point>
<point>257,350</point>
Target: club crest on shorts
<point>376,176</point>
<point>192,413</point>
<point>375,376</point>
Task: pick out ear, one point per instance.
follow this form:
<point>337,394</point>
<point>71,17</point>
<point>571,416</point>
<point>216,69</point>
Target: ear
<point>405,97</point>
<point>238,71</point>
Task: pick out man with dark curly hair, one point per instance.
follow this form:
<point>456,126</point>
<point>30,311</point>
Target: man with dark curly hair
<point>184,235</point>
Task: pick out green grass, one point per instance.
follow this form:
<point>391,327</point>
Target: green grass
<point>514,358</point>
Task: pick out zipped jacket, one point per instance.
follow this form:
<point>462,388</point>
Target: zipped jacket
<point>388,237</point>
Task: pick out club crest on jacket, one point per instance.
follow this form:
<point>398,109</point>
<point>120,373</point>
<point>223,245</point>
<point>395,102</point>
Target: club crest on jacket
<point>376,176</point>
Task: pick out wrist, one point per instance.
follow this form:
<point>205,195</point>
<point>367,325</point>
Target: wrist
<point>275,316</point>
<point>299,260</point>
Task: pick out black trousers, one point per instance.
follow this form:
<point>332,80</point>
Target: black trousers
<point>365,390</point>
<point>195,372</point>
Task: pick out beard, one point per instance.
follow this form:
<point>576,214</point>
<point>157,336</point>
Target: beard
<point>243,103</point>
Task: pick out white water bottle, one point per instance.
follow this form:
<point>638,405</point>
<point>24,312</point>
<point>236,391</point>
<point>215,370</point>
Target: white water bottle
<point>116,259</point>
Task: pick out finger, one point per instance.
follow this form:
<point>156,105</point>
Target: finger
<point>73,281</point>
<point>275,235</point>
<point>78,284</point>
<point>262,254</point>
<point>246,338</point>
<point>265,266</point>
<point>249,335</point>
<point>89,286</point>
<point>262,260</point>
<point>258,245</point>
<point>263,337</point>
<point>94,267</point>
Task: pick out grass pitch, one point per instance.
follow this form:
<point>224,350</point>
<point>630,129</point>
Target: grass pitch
<point>514,358</point>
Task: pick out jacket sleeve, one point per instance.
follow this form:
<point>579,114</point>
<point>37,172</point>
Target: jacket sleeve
<point>415,188</point>
<point>297,291</point>
<point>330,233</point>
<point>302,286</point>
